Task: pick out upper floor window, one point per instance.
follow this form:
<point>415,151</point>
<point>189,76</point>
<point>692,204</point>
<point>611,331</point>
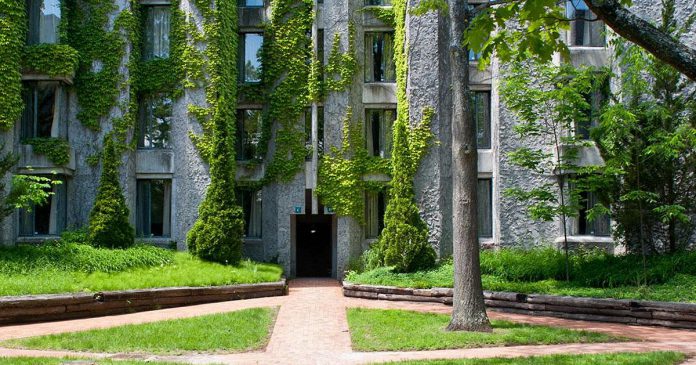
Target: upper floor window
<point>154,200</point>
<point>48,218</point>
<point>41,109</point>
<point>590,120</point>
<point>44,21</point>
<point>379,57</point>
<point>378,131</point>
<point>251,56</point>
<point>248,133</point>
<point>485,208</point>
<point>251,3</point>
<point>378,2</point>
<point>599,226</point>
<point>251,203</point>
<point>157,28</point>
<point>308,131</point>
<point>585,28</point>
<point>474,56</point>
<point>481,113</point>
<point>375,207</point>
<point>155,116</point>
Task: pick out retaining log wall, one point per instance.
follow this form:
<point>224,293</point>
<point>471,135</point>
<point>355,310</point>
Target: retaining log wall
<point>636,312</point>
<point>42,308</point>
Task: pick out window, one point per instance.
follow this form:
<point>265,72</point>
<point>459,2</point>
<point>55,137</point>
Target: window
<point>251,68</point>
<point>379,57</point>
<point>597,227</point>
<point>251,202</point>
<point>251,3</point>
<point>378,3</point>
<point>378,131</point>
<point>591,118</point>
<point>375,206</point>
<point>485,208</point>
<point>308,131</point>
<point>154,199</point>
<point>248,133</point>
<point>481,113</point>
<point>46,219</point>
<point>41,109</point>
<point>585,29</point>
<point>155,116</point>
<point>474,56</point>
<point>157,25</point>
<point>44,21</point>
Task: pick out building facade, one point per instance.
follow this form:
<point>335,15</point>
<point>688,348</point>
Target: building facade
<point>165,178</point>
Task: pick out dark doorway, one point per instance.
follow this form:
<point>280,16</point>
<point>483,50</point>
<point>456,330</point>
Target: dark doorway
<point>314,241</point>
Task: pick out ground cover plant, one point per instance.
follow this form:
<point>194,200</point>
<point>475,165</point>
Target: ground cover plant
<point>393,330</point>
<point>648,358</point>
<point>69,267</point>
<point>671,277</point>
<point>238,331</point>
<point>59,361</point>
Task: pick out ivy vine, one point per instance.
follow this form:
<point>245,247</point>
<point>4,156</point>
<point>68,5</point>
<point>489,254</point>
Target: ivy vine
<point>341,66</point>
<point>13,29</point>
<point>57,150</point>
<point>53,60</point>
<point>385,14</point>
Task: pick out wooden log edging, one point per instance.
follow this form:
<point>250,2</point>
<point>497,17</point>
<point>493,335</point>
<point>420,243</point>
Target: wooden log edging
<point>635,312</point>
<point>43,308</point>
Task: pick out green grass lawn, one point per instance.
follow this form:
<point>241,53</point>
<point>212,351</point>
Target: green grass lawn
<point>396,330</point>
<point>57,361</point>
<point>648,358</point>
<point>238,331</point>
<point>79,268</point>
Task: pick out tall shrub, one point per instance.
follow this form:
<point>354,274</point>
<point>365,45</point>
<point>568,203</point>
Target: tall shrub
<point>108,221</point>
<point>217,234</point>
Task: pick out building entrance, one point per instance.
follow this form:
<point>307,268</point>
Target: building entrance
<point>314,242</point>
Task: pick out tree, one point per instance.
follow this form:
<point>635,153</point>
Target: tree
<point>25,192</point>
<point>541,23</point>
<point>469,310</point>
<point>109,224</point>
<point>649,136</point>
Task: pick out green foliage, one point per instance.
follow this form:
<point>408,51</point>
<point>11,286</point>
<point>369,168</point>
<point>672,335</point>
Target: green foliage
<point>342,171</point>
<point>627,358</point>
<point>648,137</point>
<point>57,150</point>
<point>383,14</point>
<point>25,191</point>
<point>217,234</point>
<point>158,75</point>
<point>109,224</point>
<point>341,66</point>
<point>71,254</point>
<point>287,75</point>
<point>50,59</point>
<point>13,29</point>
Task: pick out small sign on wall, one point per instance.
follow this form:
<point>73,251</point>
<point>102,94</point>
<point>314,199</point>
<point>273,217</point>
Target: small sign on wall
<point>329,210</point>
<point>298,209</point>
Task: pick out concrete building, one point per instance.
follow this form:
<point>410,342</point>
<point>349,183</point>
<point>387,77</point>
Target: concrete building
<point>165,178</point>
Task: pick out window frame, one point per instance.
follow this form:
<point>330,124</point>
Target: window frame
<point>146,121</point>
<point>488,120</point>
<point>243,57</point>
<point>382,201</point>
<point>60,193</point>
<point>32,131</point>
<point>241,198</point>
<point>376,151</point>
<point>34,33</point>
<point>167,186</point>
<point>144,27</point>
<point>490,206</point>
<point>389,60</point>
<point>240,130</point>
<point>586,24</point>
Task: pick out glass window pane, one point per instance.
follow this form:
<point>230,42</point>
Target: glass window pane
<point>39,109</point>
<point>153,208</point>
<point>248,133</point>
<point>48,218</point>
<point>485,208</point>
<point>377,2</point>
<point>252,57</point>
<point>481,113</point>
<point>378,131</point>
<point>252,3</point>
<point>43,20</point>
<point>379,57</point>
<point>584,29</point>
<point>251,202</point>
<point>155,122</point>
<point>157,27</point>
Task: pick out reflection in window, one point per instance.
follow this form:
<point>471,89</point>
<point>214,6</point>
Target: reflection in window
<point>157,26</point>
<point>251,202</point>
<point>41,100</point>
<point>155,122</point>
<point>154,208</point>
<point>379,57</point>
<point>48,218</point>
<point>251,3</point>
<point>251,69</point>
<point>378,2</point>
<point>474,56</point>
<point>481,113</point>
<point>248,133</point>
<point>485,208</point>
<point>44,21</point>
<point>378,131</point>
<point>600,226</point>
<point>585,29</point>
<point>375,206</point>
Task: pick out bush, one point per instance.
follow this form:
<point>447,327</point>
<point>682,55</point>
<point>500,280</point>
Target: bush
<point>108,222</point>
<point>524,265</point>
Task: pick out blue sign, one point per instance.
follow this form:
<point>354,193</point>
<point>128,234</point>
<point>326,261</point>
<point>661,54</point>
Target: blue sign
<point>329,210</point>
<point>298,210</point>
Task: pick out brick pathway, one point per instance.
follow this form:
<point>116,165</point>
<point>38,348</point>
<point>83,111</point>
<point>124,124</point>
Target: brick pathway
<point>311,328</point>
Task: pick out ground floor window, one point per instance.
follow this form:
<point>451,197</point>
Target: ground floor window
<point>251,202</point>
<point>375,207</point>
<point>154,208</point>
<point>485,208</point>
<point>42,106</point>
<point>600,226</point>
<point>378,131</point>
<point>248,133</point>
<point>48,218</point>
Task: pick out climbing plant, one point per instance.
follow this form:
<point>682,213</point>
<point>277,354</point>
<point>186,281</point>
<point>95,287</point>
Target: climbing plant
<point>13,28</point>
<point>341,66</point>
<point>50,59</point>
<point>57,150</point>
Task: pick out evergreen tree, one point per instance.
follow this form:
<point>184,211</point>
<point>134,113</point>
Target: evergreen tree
<point>108,221</point>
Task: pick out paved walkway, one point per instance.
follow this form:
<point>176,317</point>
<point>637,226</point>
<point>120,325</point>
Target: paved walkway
<point>311,328</point>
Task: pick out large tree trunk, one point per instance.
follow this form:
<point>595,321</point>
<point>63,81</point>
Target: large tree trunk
<point>639,31</point>
<point>469,311</point>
